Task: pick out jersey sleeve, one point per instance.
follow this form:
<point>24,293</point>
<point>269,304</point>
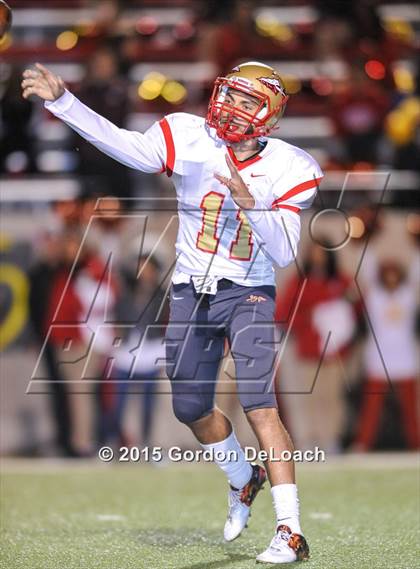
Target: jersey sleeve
<point>148,152</point>
<point>276,225</point>
<point>296,189</point>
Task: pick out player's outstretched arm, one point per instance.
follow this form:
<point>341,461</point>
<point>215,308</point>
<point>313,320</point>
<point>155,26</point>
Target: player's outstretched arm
<point>43,83</point>
<point>145,152</point>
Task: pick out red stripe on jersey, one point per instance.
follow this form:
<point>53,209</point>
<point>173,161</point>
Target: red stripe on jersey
<point>170,146</point>
<point>298,189</point>
<point>244,163</point>
<point>285,206</point>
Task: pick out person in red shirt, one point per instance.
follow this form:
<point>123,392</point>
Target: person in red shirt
<point>80,300</point>
<point>317,308</point>
<point>390,354</point>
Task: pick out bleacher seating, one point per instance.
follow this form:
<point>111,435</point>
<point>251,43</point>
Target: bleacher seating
<point>168,34</point>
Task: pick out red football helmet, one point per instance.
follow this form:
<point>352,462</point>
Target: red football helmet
<point>255,80</point>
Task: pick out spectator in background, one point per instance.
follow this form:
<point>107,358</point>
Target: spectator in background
<point>144,306</point>
<point>106,15</point>
<point>81,300</point>
<point>323,327</point>
<point>17,148</point>
<point>333,31</point>
<point>108,226</point>
<point>106,27</point>
<point>41,278</point>
<point>358,111</point>
<point>104,91</point>
<point>228,34</point>
<point>390,353</point>
<point>345,28</point>
<point>67,214</point>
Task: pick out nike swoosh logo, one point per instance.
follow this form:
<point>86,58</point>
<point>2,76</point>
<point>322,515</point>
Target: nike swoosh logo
<point>178,298</point>
<point>257,175</point>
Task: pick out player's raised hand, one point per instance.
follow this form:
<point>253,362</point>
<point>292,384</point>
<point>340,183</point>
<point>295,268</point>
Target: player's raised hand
<point>239,190</point>
<point>43,83</point>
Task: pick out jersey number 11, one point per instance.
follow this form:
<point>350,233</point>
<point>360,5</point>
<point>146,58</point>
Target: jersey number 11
<point>207,240</point>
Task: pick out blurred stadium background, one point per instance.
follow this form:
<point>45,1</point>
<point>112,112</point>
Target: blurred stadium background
<point>352,68</point>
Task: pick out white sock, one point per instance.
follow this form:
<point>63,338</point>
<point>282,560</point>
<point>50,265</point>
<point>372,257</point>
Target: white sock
<point>236,468</point>
<point>286,506</point>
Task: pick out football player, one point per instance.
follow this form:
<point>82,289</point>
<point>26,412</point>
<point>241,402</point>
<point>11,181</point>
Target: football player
<point>239,194</point>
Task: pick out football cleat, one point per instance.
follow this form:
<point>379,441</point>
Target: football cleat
<point>285,547</point>
<point>240,502</point>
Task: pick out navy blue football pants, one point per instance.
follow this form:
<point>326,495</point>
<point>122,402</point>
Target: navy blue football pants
<point>195,340</point>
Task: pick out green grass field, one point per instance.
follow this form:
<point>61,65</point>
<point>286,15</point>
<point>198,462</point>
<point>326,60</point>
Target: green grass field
<point>358,513</point>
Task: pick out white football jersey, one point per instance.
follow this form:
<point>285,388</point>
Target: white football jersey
<point>216,239</point>
<point>392,340</point>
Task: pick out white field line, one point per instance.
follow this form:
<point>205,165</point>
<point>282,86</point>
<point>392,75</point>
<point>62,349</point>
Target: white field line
<point>320,515</point>
<point>110,518</point>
